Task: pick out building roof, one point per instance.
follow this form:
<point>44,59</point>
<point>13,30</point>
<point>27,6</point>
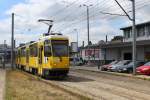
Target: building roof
<point>93,46</point>
<point>140,24</point>
<point>118,44</point>
<point>126,44</point>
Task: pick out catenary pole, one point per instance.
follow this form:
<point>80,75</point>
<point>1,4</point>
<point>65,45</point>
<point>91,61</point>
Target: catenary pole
<point>134,37</point>
<point>88,27</point>
<point>12,43</point>
<point>77,38</point>
<point>133,33</point>
<point>4,57</point>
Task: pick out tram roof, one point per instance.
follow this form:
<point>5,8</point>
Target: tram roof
<point>53,36</point>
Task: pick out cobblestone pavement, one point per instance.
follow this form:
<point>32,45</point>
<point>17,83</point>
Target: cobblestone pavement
<point>2,83</point>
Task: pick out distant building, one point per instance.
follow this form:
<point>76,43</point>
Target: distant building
<point>123,50</point>
<point>92,52</point>
<point>5,52</point>
<point>120,47</point>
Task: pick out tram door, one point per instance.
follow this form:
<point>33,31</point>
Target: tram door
<point>40,55</point>
<point>27,56</point>
<point>40,59</point>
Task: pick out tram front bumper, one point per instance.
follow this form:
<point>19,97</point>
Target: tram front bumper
<point>55,71</point>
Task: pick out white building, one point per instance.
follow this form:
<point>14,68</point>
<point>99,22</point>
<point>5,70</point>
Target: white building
<point>142,30</point>
<point>123,50</point>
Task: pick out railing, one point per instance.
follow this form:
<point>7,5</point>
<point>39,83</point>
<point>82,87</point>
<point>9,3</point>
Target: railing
<point>138,38</point>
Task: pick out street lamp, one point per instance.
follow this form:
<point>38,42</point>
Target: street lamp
<point>77,37</point>
<point>77,40</point>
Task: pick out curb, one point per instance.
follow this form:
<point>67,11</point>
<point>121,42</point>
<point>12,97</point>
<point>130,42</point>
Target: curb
<point>117,74</point>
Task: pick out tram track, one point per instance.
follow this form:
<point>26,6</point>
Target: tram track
<point>122,81</point>
<point>108,87</point>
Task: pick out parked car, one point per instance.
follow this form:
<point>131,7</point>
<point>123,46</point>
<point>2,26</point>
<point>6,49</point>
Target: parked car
<point>145,69</point>
<point>118,65</point>
<point>105,67</point>
<point>129,67</point>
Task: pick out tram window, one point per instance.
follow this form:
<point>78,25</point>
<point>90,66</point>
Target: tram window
<point>47,51</point>
<point>18,53</point>
<point>33,50</point>
<point>47,42</point>
<point>23,52</point>
<point>60,50</point>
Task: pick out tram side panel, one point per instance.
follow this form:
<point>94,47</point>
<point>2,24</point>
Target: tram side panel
<point>33,58</point>
<point>23,58</point>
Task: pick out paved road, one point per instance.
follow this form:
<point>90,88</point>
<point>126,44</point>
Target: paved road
<point>2,83</point>
<point>101,86</point>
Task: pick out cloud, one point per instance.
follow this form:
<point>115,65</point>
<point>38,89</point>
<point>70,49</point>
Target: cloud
<point>67,16</point>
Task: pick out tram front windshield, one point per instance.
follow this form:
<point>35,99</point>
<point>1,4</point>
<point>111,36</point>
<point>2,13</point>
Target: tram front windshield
<point>60,48</point>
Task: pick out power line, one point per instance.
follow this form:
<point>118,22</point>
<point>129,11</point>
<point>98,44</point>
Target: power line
<point>90,17</point>
<point>61,10</point>
<point>83,12</point>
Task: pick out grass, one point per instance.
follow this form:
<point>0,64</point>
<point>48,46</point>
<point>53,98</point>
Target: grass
<point>20,86</point>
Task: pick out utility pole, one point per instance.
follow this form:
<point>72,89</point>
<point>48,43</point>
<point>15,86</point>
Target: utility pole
<point>77,40</point>
<point>88,28</point>
<point>82,43</point>
<point>4,56</point>
<point>77,37</point>
<point>106,39</point>
<point>133,32</point>
<point>12,43</point>
<point>134,37</point>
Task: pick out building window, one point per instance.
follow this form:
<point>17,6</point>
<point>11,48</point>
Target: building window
<point>140,31</point>
<point>127,33</point>
<point>148,29</point>
<point>96,53</point>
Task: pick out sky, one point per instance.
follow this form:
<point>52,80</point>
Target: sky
<point>69,18</point>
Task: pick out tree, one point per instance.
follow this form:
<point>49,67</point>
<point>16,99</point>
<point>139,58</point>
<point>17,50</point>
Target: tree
<point>117,39</point>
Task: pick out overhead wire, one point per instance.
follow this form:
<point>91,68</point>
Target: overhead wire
<point>109,18</point>
<point>80,15</point>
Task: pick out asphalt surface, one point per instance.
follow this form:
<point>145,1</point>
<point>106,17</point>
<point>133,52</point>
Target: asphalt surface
<point>2,83</point>
<point>101,86</point>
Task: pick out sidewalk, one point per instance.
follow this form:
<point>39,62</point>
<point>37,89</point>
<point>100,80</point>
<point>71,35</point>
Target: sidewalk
<point>95,69</point>
<point>2,83</point>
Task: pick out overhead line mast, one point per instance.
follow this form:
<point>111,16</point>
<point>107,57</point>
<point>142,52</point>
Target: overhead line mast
<point>12,42</point>
<point>133,33</point>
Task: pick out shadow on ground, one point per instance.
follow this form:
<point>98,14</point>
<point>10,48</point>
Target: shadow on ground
<point>72,78</point>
